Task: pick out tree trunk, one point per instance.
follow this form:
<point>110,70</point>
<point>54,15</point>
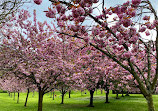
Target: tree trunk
<point>81,93</point>
<point>33,94</point>
<point>107,95</point>
<point>70,94</point>
<point>63,93</point>
<point>150,103</point>
<point>101,91</point>
<point>122,93</point>
<point>14,96</point>
<point>96,91</point>
<point>40,99</point>
<point>117,95</point>
<point>62,102</point>
<point>53,95</point>
<point>127,94</point>
<point>11,95</point>
<point>28,91</point>
<point>91,99</point>
<point>18,98</point>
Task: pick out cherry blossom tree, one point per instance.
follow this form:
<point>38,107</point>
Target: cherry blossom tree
<point>91,65</point>
<point>120,39</point>
<point>13,84</point>
<point>67,67</point>
<point>31,51</point>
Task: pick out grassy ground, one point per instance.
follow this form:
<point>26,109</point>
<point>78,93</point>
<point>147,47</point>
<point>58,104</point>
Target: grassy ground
<point>134,102</point>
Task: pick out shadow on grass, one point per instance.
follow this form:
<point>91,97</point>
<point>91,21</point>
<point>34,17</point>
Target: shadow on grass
<point>98,106</point>
<point>131,103</point>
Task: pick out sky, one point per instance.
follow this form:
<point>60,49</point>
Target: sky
<point>45,4</point>
<point>39,9</point>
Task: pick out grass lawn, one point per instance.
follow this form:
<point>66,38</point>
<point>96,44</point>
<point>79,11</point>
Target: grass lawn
<point>135,102</point>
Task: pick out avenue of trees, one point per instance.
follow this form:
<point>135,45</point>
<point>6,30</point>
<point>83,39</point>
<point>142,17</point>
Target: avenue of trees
<point>91,47</point>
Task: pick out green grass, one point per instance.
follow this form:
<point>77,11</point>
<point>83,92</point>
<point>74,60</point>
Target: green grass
<point>135,102</point>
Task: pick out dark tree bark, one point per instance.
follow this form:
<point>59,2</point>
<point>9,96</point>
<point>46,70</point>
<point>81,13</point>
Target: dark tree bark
<point>9,93</point>
<point>122,93</point>
<point>28,91</point>
<point>107,95</point>
<point>70,94</point>
<point>96,91</point>
<point>117,95</point>
<point>40,99</point>
<point>14,96</point>
<point>127,94</point>
<point>53,95</point>
<point>91,99</point>
<point>63,93</point>
<point>62,101</point>
<point>18,97</point>
<point>150,102</point>
<point>101,91</point>
<point>33,93</point>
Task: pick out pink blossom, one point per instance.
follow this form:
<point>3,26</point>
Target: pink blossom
<point>126,22</point>
<point>146,18</point>
<point>127,54</point>
<point>123,9</point>
<point>121,42</point>
<point>81,18</point>
<point>60,9</point>
<point>102,34</point>
<point>63,17</point>
<point>136,2</point>
<point>147,33</point>
<point>51,13</point>
<point>81,11</point>
<point>95,1</point>
<point>5,41</point>
<point>95,31</point>
<point>75,28</point>
<point>126,3</point>
<point>142,29</point>
<point>38,2</point>
<point>76,12</point>
<point>119,85</point>
<point>82,3</point>
<point>120,48</point>
<point>104,24</point>
<point>86,40</point>
<point>134,39</point>
<point>120,16</point>
<point>133,13</point>
<point>155,23</point>
<point>132,59</point>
